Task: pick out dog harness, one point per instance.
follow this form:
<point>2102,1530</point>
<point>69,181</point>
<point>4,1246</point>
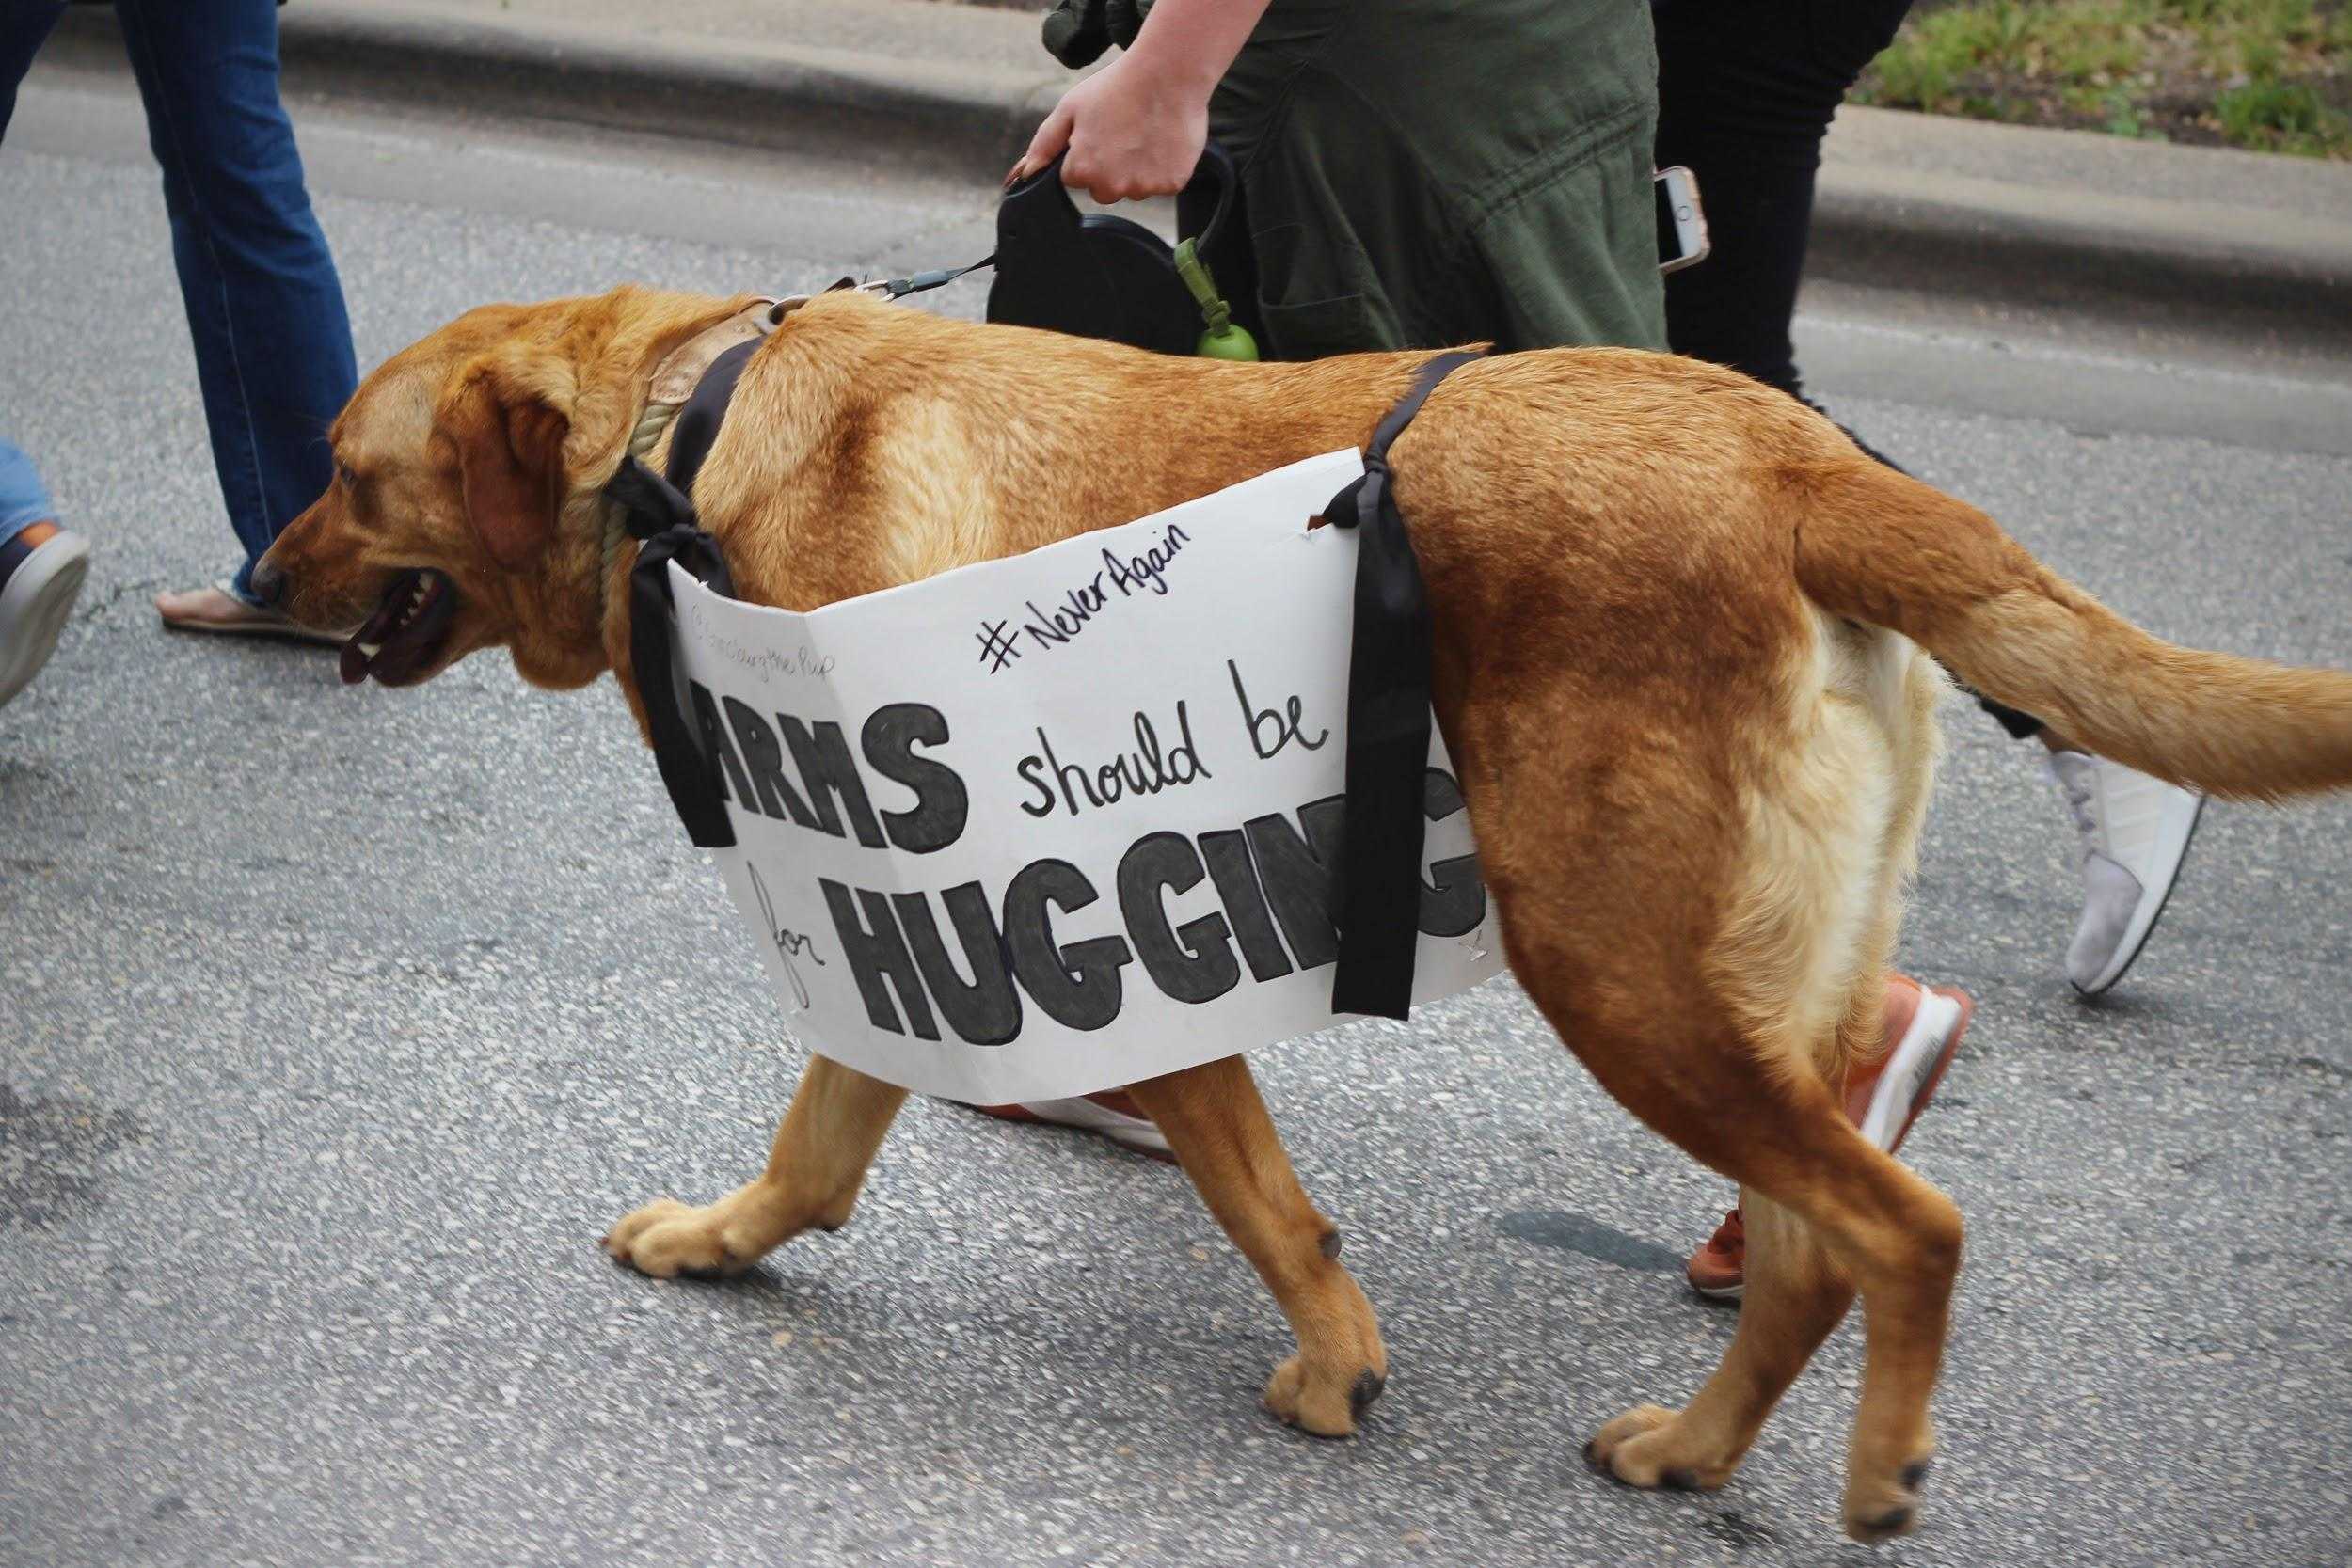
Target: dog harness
<point>689,398</point>
<point>1379,882</point>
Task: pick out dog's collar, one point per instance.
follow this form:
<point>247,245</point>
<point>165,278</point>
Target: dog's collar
<point>672,382</point>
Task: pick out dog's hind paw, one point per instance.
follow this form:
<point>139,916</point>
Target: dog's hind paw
<point>1326,1407</point>
<point>666,1239</point>
<point>1882,1506</point>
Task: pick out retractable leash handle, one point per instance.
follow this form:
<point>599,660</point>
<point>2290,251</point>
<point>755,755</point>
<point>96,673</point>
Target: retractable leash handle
<point>1097,275</point>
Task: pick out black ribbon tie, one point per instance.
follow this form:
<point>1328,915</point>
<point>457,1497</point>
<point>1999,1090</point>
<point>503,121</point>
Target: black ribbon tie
<point>1378,881</point>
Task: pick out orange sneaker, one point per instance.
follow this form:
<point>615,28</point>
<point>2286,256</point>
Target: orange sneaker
<point>1719,1270</point>
<point>1113,1113</point>
<point>1924,1026</point>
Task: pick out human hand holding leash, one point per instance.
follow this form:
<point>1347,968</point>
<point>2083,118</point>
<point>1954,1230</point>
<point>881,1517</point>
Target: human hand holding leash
<point>1136,127</point>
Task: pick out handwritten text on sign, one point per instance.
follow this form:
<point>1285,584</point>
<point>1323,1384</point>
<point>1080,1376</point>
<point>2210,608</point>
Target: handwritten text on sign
<point>1101,849</point>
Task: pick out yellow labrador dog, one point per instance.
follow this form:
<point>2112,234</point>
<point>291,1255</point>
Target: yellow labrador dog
<point>1682,628</point>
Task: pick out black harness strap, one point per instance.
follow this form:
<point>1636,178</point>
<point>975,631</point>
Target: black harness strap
<point>661,518</point>
<point>1379,882</point>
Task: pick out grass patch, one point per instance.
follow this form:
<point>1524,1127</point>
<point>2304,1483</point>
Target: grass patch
<point>2273,75</point>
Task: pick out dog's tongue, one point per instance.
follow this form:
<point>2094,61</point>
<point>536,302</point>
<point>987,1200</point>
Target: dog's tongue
<point>365,643</point>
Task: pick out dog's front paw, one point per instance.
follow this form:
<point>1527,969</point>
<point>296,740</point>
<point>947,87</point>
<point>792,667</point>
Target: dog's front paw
<point>1644,1448</point>
<point>666,1239</point>
<point>1326,1407</point>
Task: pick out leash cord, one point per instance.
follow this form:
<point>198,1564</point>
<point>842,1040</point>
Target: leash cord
<point>939,278</point>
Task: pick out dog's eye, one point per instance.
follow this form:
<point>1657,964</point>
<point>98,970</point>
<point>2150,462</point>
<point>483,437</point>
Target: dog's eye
<point>343,471</point>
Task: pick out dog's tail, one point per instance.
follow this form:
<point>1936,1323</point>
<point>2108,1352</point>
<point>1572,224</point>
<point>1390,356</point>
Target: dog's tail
<point>1874,544</point>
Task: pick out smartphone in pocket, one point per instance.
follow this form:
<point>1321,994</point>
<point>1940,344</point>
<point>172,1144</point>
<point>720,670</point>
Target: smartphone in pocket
<point>1681,221</point>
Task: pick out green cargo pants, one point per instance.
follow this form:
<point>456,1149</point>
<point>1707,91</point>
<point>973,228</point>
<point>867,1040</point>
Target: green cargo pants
<point>1417,173</point>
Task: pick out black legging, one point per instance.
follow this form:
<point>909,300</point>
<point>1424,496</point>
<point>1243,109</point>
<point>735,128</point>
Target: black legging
<point>1745,92</point>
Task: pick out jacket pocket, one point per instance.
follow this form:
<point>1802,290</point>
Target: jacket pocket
<point>1309,304</point>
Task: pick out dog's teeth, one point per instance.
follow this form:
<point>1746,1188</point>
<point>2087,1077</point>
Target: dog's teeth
<point>371,649</point>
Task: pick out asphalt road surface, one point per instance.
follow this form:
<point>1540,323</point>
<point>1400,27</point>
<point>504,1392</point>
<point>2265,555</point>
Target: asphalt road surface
<point>336,1026</point>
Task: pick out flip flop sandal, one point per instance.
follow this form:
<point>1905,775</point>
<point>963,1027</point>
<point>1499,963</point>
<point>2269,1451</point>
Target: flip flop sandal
<point>250,620</point>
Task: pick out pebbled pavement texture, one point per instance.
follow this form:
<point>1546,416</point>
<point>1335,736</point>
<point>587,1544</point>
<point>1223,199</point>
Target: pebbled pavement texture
<point>336,1026</point>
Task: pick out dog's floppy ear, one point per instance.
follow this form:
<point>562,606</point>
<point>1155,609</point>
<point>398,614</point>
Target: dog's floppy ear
<point>509,438</point>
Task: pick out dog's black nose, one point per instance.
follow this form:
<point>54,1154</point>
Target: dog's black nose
<point>269,585</point>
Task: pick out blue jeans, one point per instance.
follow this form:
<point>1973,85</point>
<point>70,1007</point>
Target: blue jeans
<point>273,343</point>
<point>23,501</point>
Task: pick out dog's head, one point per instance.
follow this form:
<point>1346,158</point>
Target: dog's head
<point>458,517</point>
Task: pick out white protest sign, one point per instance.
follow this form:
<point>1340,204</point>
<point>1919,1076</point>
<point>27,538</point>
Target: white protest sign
<point>1049,825</point>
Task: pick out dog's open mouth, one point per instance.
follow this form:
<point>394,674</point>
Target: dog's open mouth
<point>405,631</point>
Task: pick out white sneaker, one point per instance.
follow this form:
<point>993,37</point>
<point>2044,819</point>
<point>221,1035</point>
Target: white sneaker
<point>36,596</point>
<point>2134,830</point>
